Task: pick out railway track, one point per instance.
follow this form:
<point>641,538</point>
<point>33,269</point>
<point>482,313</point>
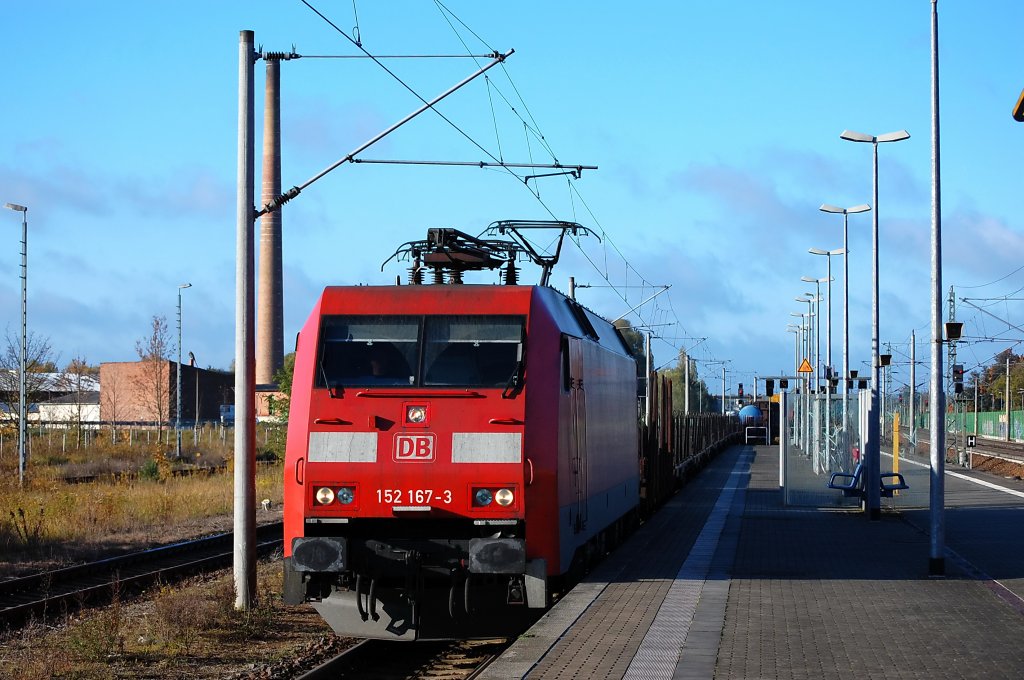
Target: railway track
<point>58,591</point>
<point>997,448</point>
<point>393,660</point>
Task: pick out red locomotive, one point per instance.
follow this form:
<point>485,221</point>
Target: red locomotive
<point>454,451</point>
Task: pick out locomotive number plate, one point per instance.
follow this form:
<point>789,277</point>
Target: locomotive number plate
<point>413,496</point>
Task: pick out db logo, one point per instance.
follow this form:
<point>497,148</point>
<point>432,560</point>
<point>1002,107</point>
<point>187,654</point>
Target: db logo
<point>415,447</point>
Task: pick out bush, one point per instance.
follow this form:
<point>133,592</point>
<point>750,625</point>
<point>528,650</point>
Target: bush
<point>182,616</point>
<point>99,636</point>
<point>150,471</point>
<point>28,531</point>
<point>246,624</point>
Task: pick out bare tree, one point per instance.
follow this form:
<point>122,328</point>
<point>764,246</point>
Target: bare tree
<point>39,360</point>
<point>154,381</point>
<point>111,397</point>
<point>76,378</point>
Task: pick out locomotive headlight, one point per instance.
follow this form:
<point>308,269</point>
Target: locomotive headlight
<point>346,495</point>
<point>483,496</point>
<point>504,497</point>
<point>324,495</point>
<point>415,414</point>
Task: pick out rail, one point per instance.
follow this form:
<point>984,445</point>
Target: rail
<point>96,582</point>
<point>389,659</point>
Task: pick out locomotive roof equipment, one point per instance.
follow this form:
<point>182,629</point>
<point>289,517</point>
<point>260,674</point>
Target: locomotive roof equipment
<point>453,252</point>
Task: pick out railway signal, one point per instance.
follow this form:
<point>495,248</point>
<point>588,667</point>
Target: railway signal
<point>958,378</point>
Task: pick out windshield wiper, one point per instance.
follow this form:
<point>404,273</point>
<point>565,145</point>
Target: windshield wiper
<point>515,382</point>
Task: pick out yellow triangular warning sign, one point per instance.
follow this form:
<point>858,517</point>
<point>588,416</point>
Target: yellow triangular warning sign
<point>805,367</point>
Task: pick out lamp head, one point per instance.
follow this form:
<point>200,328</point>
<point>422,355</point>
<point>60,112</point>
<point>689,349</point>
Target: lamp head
<point>829,208</point>
<point>897,136</point>
<point>852,136</point>
<point>15,206</point>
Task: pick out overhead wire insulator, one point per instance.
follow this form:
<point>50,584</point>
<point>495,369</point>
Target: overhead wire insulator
<point>455,277</point>
<point>416,273</point>
<point>438,276</point>
<point>511,273</point>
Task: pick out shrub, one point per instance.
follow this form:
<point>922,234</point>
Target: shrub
<point>182,616</point>
<point>28,531</point>
<point>100,635</point>
<point>150,471</point>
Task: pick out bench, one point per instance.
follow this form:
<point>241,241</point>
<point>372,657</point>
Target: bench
<point>855,486</point>
<point>888,489</point>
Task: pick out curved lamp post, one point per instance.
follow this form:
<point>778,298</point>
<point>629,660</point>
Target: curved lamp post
<point>177,412</point>
<point>805,401</point>
<point>829,371</point>
<point>874,451</point>
<point>864,207</point>
<point>23,378</point>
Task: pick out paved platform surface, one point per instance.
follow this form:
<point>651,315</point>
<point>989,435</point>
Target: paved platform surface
<point>726,582</point>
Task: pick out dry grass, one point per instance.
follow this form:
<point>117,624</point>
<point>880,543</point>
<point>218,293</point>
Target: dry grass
<point>49,519</point>
<point>191,630</point>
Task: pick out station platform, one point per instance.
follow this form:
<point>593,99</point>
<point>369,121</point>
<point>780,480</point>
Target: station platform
<point>727,582</point>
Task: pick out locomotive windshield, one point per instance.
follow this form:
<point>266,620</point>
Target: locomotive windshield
<point>428,351</point>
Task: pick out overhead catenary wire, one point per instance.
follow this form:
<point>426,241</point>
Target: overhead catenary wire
<point>294,191</point>
<point>532,129</point>
<point>406,85</point>
<point>450,16</point>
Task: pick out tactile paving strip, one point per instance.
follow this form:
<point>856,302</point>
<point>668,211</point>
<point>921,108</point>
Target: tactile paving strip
<point>659,652</point>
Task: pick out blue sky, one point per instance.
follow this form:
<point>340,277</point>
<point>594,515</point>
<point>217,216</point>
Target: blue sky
<point>715,125</point>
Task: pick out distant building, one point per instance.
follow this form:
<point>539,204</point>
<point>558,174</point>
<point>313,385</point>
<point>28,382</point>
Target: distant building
<point>145,392</point>
<point>43,388</point>
<point>71,410</point>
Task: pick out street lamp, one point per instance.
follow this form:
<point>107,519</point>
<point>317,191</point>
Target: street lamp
<point>723,388</point>
<point>817,357</point>
<point>795,330</point>
<point>805,398</point>
<point>23,382</point>
<point>816,296</point>
<point>828,293</point>
<point>874,450</point>
<point>177,413</point>
<point>825,207</point>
